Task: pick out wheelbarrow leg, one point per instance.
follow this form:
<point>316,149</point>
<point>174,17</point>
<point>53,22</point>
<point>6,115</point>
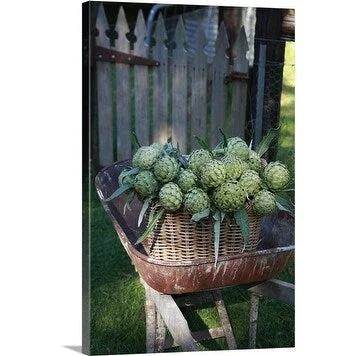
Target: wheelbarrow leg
<point>160,333</point>
<point>225,322</point>
<point>172,317</point>
<point>253,321</point>
<point>273,288</point>
<point>155,328</point>
<point>150,309</point>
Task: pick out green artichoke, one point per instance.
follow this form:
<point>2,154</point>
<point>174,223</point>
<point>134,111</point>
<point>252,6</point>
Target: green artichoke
<point>170,197</point>
<point>251,182</point>
<point>264,203</point>
<point>186,180</point>
<point>166,168</point>
<point>213,174</point>
<point>238,147</point>
<point>157,146</point>
<point>198,159</point>
<point>145,183</point>
<point>276,176</point>
<point>229,196</point>
<point>254,161</point>
<point>233,166</point>
<point>245,166</point>
<point>145,157</point>
<point>196,201</point>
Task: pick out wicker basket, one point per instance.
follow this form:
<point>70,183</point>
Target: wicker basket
<point>177,238</point>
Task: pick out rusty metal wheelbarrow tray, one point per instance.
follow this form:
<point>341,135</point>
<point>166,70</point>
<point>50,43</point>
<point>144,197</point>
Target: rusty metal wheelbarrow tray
<point>178,277</point>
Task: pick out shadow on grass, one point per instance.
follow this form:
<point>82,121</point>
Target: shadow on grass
<point>288,89</point>
<point>118,318</point>
<point>203,318</point>
<point>276,326</point>
<point>116,342</point>
<point>109,260</point>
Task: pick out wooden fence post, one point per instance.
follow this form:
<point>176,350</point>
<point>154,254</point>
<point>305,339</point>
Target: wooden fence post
<point>239,89</point>
<point>141,83</point>
<point>123,92</point>
<point>179,89</point>
<point>220,69</point>
<point>104,93</point>
<point>260,95</point>
<point>160,84</point>
<point>198,90</point>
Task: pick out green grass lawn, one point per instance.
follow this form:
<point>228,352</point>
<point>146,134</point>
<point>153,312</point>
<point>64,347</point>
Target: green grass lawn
<point>117,315</point>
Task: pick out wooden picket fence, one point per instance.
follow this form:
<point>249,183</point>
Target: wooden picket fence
<point>185,95</point>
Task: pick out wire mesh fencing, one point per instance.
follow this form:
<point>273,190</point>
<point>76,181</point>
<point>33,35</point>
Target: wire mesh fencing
<point>266,87</point>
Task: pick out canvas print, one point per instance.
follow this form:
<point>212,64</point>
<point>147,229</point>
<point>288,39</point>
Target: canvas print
<point>188,178</point>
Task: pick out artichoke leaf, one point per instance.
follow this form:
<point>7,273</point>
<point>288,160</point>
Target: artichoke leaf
<point>267,140</point>
<point>217,224</point>
<point>128,201</point>
<point>224,138</point>
<point>284,204</point>
<point>203,143</point>
<point>151,225</point>
<point>135,141</point>
<point>242,220</point>
<point>128,173</point>
<point>144,208</point>
<point>119,192</point>
<point>201,215</point>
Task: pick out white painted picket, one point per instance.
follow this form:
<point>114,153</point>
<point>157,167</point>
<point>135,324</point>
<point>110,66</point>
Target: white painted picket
<point>160,85</point>
<point>123,92</point>
<point>141,83</point>
<point>220,70</point>
<point>104,101</point>
<point>179,89</point>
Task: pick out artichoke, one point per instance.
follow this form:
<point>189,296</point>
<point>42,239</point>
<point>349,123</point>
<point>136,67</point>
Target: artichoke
<point>196,201</point>
<point>145,183</point>
<point>233,166</point>
<point>254,161</point>
<point>198,159</point>
<point>238,147</point>
<point>213,174</point>
<point>276,176</point>
<point>251,182</point>
<point>186,180</point>
<point>245,166</point>
<point>166,168</point>
<point>145,157</point>
<point>157,146</point>
<point>264,203</point>
<point>170,197</point>
<point>229,196</point>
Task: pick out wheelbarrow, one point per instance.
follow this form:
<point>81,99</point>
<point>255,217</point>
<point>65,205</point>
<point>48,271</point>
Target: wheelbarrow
<point>178,277</point>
